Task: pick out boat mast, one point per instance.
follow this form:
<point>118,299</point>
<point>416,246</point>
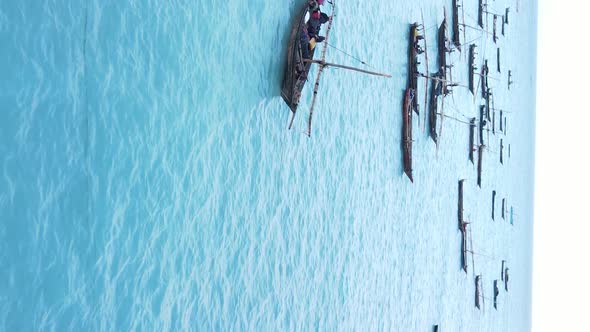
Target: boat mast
<point>322,65</point>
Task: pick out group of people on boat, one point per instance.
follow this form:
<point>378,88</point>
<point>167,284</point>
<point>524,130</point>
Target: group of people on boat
<point>309,33</point>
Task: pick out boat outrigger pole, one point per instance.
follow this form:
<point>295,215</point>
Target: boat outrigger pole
<point>323,57</point>
<point>328,64</point>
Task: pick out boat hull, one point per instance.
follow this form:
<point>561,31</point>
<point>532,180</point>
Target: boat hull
<point>296,69</point>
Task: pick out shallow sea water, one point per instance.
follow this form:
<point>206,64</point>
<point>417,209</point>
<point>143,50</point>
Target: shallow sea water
<point>148,181</point>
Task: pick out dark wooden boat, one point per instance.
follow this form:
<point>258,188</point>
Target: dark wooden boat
<point>435,92</point>
<point>484,80</point>
<point>488,100</point>
<point>478,294</point>
<point>494,29</point>
<point>506,15</point>
<point>472,68</point>
<point>482,122</point>
<point>501,152</point>
<point>496,293</point>
<point>479,164</point>
<point>498,60</point>
<point>297,67</point>
<point>407,132</point>
<point>413,65</point>
<point>503,24</point>
<point>456,33</point>
<point>471,139</point>
<point>296,71</point>
<point>506,279</point>
<point>435,328</point>
<point>503,206</point>
<point>443,49</point>
<point>501,122</point>
<point>502,271</point>
<point>480,9</point>
<point>460,205</point>
<point>493,122</point>
<point>510,79</point>
<point>464,247</point>
<point>493,204</point>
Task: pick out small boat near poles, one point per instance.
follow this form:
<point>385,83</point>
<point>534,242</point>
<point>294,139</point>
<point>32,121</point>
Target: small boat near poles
<point>472,68</point>
<point>479,164</point>
<point>456,32</point>
<point>471,139</point>
<point>464,248</point>
<point>493,204</point>
<point>503,207</point>
<point>482,122</point>
<point>501,151</point>
<point>480,10</point>
<point>435,92</point>
<point>409,95</point>
<point>496,293</point>
<point>478,293</point>
<point>506,279</point>
<point>298,66</point>
<point>495,35</point>
<point>413,48</point>
<point>460,205</point>
<point>502,271</point>
<point>498,60</point>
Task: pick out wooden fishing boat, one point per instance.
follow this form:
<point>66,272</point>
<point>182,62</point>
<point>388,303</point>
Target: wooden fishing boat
<point>496,293</point>
<point>501,152</point>
<point>503,24</point>
<point>493,204</point>
<point>297,66</point>
<point>456,33</point>
<point>464,247</point>
<point>506,279</point>
<point>480,9</point>
<point>482,122</point>
<point>479,164</point>
<point>478,294</point>
<point>296,70</point>
<point>494,29</point>
<point>460,205</point>
<point>413,65</point>
<point>484,80</point>
<point>503,206</point>
<point>493,122</point>
<point>409,95</point>
<point>472,68</point>
<point>502,271</point>
<point>498,60</point>
<point>471,138</point>
<point>506,15</point>
<point>435,92</point>
<point>443,49</point>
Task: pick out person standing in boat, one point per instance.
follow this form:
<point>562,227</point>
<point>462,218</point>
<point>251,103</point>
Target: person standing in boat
<point>309,34</point>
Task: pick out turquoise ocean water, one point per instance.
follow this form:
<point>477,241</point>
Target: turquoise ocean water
<point>148,181</point>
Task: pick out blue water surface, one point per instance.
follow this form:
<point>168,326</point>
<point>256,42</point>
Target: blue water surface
<point>148,181</point>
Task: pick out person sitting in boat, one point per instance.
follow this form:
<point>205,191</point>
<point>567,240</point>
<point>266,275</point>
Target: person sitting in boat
<point>309,34</point>
<point>315,22</point>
